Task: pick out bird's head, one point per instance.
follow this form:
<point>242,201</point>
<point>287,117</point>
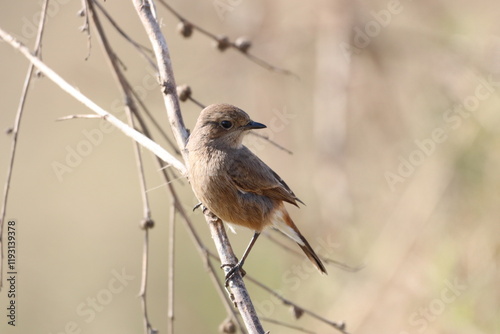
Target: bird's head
<point>224,125</point>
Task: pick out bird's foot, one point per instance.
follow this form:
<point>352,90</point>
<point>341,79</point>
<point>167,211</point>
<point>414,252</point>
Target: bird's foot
<point>233,270</point>
<point>197,206</point>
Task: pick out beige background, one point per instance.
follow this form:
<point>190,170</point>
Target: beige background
<point>428,242</point>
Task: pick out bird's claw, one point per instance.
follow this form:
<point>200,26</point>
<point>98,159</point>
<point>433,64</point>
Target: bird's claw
<point>232,271</point>
<point>197,206</point>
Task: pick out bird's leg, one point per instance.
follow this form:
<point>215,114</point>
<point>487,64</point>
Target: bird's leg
<point>239,265</point>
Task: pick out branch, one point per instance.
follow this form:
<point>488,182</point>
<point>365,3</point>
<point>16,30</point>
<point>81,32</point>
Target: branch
<point>166,73</point>
<point>241,296</point>
<point>222,42</point>
<point>64,85</point>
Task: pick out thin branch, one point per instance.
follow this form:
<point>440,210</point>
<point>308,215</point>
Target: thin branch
<point>144,274</point>
<point>283,324</point>
<point>143,50</point>
<point>86,27</point>
<point>157,126</point>
<point>171,270</point>
<point>272,142</point>
<point>15,130</point>
<point>64,85</point>
<point>130,107</point>
<point>222,42</point>
<point>338,326</point>
<point>146,224</point>
<point>90,116</point>
<point>294,251</point>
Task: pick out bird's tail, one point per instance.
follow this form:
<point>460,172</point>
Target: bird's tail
<point>284,223</point>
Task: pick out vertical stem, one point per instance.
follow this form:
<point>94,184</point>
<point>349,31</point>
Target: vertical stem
<point>15,131</point>
<point>171,270</point>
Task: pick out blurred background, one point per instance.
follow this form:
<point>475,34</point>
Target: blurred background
<point>393,122</point>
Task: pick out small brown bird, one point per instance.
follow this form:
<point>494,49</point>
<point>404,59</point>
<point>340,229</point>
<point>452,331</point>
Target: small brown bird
<point>234,184</point>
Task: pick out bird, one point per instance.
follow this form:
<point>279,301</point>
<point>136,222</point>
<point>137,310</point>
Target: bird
<point>235,184</point>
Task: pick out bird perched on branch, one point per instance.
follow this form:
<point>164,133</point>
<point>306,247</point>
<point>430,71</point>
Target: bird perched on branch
<point>234,184</point>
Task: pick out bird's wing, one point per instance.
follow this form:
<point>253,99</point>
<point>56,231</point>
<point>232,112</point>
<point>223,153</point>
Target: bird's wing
<point>251,175</point>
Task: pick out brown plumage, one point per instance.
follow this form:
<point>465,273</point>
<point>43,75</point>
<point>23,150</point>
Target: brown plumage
<point>234,183</point>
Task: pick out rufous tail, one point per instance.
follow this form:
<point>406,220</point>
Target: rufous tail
<point>286,225</point>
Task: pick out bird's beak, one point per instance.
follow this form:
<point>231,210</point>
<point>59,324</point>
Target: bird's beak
<point>254,125</point>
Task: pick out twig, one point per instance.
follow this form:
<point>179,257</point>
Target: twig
<point>143,50</point>
<point>283,324</point>
<point>336,263</point>
<point>147,222</point>
<point>15,131</point>
<point>222,42</point>
<point>338,326</point>
<point>86,27</point>
<point>65,118</point>
<point>157,126</point>
<point>64,85</point>
<point>171,270</point>
<point>272,142</point>
<point>144,275</point>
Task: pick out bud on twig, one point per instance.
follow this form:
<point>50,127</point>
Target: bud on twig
<point>243,44</point>
<point>185,28</point>
<point>183,92</point>
<point>222,43</point>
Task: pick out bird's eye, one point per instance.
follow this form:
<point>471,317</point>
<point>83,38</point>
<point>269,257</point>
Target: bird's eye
<point>226,124</point>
